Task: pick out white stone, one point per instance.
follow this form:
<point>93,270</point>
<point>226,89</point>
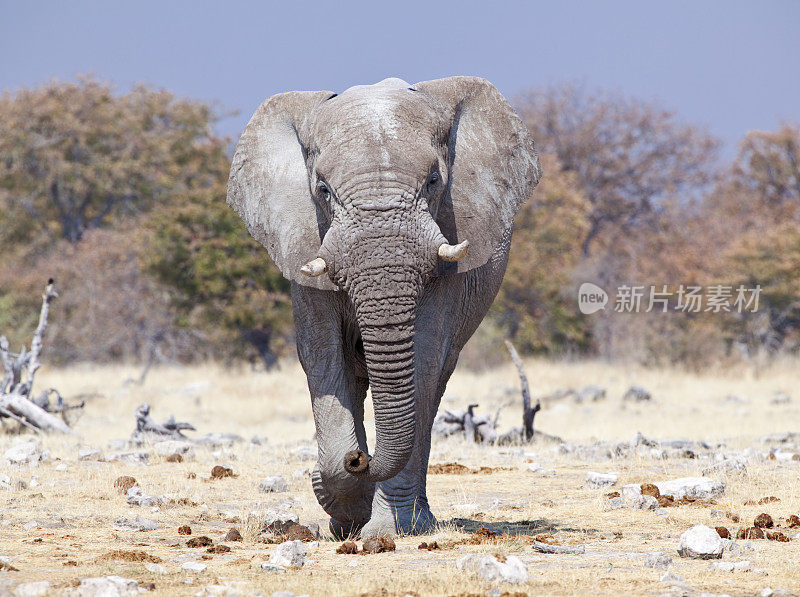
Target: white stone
<point>600,480</point>
<point>700,542</point>
<point>671,577</point>
<point>174,446</point>
<point>644,502</point>
<point>305,453</point>
<point>272,521</point>
<point>155,568</point>
<point>658,559</point>
<point>513,570</point>
<point>89,453</point>
<point>193,566</point>
<point>23,453</point>
<point>61,468</point>
<point>729,465</point>
<point>31,524</point>
<point>107,586</point>
<point>743,566</point>
<point>137,497</point>
<point>274,568</point>
<point>273,484</point>
<point>32,589</point>
<point>289,553</point>
<point>631,491</point>
<point>135,524</point>
<point>693,487</point>
<point>615,503</point>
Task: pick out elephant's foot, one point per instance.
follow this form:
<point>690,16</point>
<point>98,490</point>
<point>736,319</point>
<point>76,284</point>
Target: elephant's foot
<point>348,512</point>
<point>399,519</point>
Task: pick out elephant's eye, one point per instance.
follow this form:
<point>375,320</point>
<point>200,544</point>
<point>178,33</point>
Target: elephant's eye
<point>433,178</point>
<point>323,190</point>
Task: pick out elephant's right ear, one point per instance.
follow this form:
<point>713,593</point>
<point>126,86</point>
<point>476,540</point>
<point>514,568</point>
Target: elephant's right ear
<point>268,185</point>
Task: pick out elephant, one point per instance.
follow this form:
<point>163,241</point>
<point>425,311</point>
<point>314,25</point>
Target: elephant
<point>389,208</point>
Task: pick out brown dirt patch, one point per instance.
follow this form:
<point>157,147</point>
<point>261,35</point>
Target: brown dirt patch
<point>777,536</point>
<point>121,555</point>
<point>448,468</point>
<point>221,472</point>
<point>793,522</point>
<point>174,458</point>
<point>750,533</point>
<point>433,545</point>
<point>219,549</point>
<point>378,545</point>
<point>124,483</point>
<point>298,532</point>
<point>723,532</point>
<point>185,530</point>
<point>768,500</point>
<point>650,489</point>
<point>764,521</point>
<point>347,547</point>
<point>233,535</point>
<point>201,541</point>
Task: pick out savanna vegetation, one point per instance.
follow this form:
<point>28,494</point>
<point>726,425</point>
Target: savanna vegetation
<point>121,198</point>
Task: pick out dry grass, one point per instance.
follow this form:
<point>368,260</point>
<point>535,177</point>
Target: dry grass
<point>76,507</point>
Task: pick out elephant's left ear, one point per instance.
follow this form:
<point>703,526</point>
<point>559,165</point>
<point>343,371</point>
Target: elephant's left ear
<point>494,166</point>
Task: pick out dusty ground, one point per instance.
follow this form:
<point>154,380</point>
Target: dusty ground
<point>74,504</point>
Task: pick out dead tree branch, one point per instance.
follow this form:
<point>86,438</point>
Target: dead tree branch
<point>15,394</point>
<point>528,413</point>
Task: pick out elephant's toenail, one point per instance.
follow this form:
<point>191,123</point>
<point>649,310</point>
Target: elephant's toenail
<point>356,462</point>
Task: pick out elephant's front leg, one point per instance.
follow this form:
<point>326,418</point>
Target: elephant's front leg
<point>326,349</point>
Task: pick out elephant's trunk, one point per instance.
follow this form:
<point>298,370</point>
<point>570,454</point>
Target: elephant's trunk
<point>386,303</point>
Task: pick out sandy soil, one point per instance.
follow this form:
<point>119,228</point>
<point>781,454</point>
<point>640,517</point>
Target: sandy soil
<point>74,503</point>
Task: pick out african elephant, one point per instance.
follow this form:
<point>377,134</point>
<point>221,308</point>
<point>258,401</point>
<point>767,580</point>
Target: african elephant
<point>390,208</point>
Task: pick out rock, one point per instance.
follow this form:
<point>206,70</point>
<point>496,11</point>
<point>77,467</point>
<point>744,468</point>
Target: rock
<point>305,453</point>
<point>89,453</point>
<point>300,474</point>
<point>135,524</point>
<point>615,503</point>
<point>32,589</point>
<point>637,394</point>
<point>729,465</point>
<point>299,532</point>
<point>31,524</point>
<point>155,568</point>
<point>631,492</point>
<point>591,394</point>
<point>134,458</point>
<point>137,497</point>
<point>275,522</point>
<point>232,535</point>
<point>289,553</point>
<point>723,532</point>
<point>62,468</point>
<point>107,586</point>
<point>259,440</point>
<point>693,487</point>
<point>600,480</point>
<point>490,568</point>
<point>644,502</point>
<point>23,453</point>
<point>671,577</point>
<point>273,484</point>
<point>174,446</point>
<point>657,559</point>
<point>193,566</point>
<point>274,568</point>
<point>650,489</point>
<point>700,542</point>
<point>743,566</point>
<point>219,440</point>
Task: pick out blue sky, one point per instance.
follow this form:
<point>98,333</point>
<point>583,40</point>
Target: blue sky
<point>728,64</point>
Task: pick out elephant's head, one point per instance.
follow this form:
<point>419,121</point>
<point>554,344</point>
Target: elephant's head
<point>373,192</point>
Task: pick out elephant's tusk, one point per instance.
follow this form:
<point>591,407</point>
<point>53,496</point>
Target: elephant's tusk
<point>315,267</point>
<point>453,252</point>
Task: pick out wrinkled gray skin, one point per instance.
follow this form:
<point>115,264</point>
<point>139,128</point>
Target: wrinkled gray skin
<point>373,181</point>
